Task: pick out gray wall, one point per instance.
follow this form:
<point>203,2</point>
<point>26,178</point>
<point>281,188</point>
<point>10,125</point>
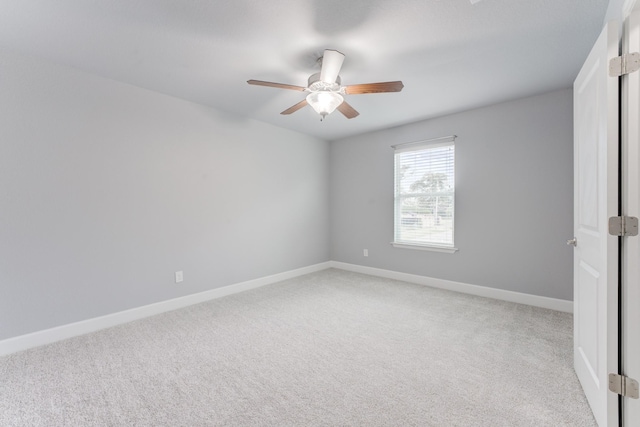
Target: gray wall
<point>107,189</point>
<point>514,197</point>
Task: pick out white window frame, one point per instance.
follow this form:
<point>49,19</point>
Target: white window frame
<point>417,146</point>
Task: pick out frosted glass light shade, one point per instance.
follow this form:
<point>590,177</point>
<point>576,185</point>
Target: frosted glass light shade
<point>324,102</point>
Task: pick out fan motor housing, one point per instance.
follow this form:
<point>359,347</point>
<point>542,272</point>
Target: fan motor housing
<point>317,85</point>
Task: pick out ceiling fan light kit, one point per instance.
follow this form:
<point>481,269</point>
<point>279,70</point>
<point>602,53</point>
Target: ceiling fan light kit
<point>326,92</point>
<point>325,96</point>
<point>324,102</point>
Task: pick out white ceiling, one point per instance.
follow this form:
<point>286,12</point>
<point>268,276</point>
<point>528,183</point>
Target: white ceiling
<point>452,55</point>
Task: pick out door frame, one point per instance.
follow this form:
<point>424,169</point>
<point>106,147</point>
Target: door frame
<point>630,206</point>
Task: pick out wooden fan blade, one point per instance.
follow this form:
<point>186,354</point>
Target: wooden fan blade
<point>348,111</point>
<point>295,108</point>
<point>374,88</point>
<point>278,85</point>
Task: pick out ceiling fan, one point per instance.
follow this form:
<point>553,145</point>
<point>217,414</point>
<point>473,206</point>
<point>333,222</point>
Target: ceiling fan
<point>326,94</point>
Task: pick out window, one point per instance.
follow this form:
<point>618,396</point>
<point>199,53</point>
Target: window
<point>425,194</point>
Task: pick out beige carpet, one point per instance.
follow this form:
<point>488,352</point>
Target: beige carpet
<point>331,348</point>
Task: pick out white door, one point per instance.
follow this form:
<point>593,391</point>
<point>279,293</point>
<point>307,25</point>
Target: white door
<point>631,207</point>
<point>596,252</point>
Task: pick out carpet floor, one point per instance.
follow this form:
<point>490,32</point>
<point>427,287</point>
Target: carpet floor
<point>332,348</point>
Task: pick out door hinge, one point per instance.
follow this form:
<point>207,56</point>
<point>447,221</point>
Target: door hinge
<point>623,226</point>
<point>623,386</point>
<point>625,64</point>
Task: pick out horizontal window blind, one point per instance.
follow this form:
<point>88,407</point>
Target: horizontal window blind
<point>425,192</point>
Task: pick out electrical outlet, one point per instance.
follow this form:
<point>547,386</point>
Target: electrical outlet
<point>179,276</point>
<point>365,252</point>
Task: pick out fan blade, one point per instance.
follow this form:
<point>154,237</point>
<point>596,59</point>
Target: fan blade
<point>278,85</point>
<point>331,64</point>
<point>295,108</point>
<point>373,88</point>
<point>348,111</point>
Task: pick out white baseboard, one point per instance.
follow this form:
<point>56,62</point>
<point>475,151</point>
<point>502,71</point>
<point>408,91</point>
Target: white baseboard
<point>517,297</point>
<point>70,330</point>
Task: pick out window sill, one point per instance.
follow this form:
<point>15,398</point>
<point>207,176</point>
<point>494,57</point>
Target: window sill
<point>432,248</point>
